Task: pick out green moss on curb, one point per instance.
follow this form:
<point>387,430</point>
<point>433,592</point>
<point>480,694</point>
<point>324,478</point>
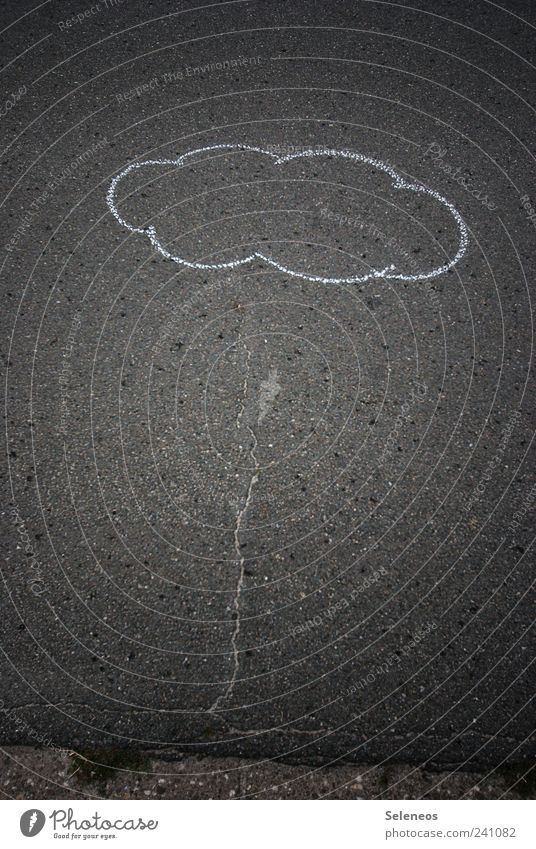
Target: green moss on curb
<point>99,765</point>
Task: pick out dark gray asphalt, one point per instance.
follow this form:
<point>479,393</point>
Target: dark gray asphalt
<point>248,514</point>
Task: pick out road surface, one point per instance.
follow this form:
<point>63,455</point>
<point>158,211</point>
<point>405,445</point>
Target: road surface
<point>250,512</point>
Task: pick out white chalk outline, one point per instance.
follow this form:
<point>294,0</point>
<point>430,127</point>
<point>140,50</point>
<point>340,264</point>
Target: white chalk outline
<point>398,183</point>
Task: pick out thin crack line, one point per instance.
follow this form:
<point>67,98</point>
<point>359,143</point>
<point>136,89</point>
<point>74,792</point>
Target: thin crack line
<point>240,557</point>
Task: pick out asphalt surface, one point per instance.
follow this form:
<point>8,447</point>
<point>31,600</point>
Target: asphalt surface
<point>247,513</point>
<point>44,773</point>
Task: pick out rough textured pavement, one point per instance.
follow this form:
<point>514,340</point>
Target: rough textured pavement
<point>248,514</point>
<point>53,774</point>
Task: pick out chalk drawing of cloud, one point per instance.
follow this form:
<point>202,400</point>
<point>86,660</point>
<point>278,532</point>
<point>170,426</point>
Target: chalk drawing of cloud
<point>398,182</point>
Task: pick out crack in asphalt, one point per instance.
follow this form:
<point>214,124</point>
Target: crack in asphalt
<point>238,549</point>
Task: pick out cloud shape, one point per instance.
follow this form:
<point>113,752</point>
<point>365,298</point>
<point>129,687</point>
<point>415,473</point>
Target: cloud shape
<point>387,273</point>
